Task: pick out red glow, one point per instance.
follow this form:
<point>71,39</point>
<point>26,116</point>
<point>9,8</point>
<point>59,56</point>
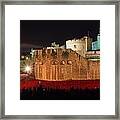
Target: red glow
<point>66,85</point>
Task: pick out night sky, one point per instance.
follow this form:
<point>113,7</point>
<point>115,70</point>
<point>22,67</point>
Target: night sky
<point>41,33</point>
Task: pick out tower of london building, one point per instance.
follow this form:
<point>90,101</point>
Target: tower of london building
<point>80,45</point>
<point>72,62</point>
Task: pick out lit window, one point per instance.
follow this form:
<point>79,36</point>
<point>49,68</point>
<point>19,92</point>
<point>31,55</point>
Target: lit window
<point>54,62</point>
<point>40,62</point>
<point>69,62</point>
<point>62,62</point>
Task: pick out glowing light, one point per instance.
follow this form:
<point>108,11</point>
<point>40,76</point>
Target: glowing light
<point>22,57</point>
<point>28,68</point>
<point>27,58</point>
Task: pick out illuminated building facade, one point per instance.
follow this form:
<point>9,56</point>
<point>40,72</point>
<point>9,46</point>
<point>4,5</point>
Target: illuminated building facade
<point>96,44</point>
<point>75,62</point>
<point>64,64</point>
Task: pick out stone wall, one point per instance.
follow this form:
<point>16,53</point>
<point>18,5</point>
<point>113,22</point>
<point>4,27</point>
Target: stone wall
<point>64,64</point>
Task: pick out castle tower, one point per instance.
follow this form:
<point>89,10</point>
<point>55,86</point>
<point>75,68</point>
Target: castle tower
<point>79,45</point>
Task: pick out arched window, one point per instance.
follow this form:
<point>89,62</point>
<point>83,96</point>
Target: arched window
<point>41,63</point>
<point>62,62</point>
<point>69,62</point>
<point>54,62</point>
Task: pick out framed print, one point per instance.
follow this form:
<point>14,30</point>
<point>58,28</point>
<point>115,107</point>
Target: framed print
<point>60,60</point>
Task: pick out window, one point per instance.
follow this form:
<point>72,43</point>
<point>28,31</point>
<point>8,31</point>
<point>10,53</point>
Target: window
<point>74,46</point>
<point>69,62</point>
<point>54,62</point>
<point>62,62</point>
<point>41,63</point>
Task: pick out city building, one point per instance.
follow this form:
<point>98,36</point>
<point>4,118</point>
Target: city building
<point>64,64</point>
<point>79,59</point>
<point>81,46</point>
<point>75,62</point>
<point>96,44</point>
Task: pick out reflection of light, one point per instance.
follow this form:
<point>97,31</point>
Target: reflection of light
<point>28,68</point>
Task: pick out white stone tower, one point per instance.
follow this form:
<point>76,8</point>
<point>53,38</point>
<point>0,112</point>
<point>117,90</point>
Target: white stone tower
<point>81,46</point>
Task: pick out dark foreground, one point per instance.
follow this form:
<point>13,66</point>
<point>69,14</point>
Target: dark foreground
<point>44,94</point>
<point>60,90</point>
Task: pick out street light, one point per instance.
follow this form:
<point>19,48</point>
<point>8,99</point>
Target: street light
<point>28,69</point>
